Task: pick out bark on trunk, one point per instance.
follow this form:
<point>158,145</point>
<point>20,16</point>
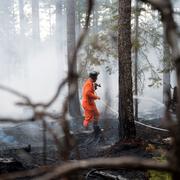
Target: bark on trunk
<point>126,117</point>
<point>78,18</point>
<point>136,59</point>
<point>166,73</point>
<point>59,25</point>
<point>74,105</point>
<point>6,22</point>
<point>22,17</point>
<point>95,18</point>
<point>35,20</point>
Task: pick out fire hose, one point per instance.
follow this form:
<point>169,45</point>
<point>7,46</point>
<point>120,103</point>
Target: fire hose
<point>137,122</point>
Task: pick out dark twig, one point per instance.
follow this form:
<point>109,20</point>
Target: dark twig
<point>116,163</point>
<point>70,167</point>
<point>12,91</point>
<point>122,162</point>
<point>72,77</point>
<point>61,85</point>
<point>172,37</point>
<point>15,121</point>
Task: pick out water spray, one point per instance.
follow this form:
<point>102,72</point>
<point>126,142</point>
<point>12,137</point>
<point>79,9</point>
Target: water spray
<point>137,122</point>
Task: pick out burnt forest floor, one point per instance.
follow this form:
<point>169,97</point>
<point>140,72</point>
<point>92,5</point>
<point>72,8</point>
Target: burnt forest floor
<point>148,144</point>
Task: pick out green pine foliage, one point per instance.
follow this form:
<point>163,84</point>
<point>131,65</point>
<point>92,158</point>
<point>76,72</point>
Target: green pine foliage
<point>101,44</point>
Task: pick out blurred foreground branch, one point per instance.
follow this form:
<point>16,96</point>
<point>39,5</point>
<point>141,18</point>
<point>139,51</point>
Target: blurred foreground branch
<point>123,162</point>
<point>39,109</point>
<point>173,39</point>
<point>74,166</point>
<point>72,77</point>
<point>15,92</point>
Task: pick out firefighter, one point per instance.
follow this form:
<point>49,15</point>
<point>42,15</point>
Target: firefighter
<point>88,101</point>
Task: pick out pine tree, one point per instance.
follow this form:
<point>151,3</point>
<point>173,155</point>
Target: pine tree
<point>35,20</point>
<point>126,117</point>
<point>74,105</point>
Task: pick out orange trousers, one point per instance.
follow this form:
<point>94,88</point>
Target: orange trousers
<point>90,115</point>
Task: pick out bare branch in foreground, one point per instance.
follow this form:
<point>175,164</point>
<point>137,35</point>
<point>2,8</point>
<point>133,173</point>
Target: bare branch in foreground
<point>117,163</point>
<point>12,91</point>
<point>70,167</point>
<point>73,166</point>
<point>171,30</point>
<point>72,77</point>
<point>15,121</point>
<point>61,85</point>
<point>172,37</point>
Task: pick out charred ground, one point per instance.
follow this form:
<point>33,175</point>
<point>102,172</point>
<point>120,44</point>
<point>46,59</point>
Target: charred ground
<point>29,153</point>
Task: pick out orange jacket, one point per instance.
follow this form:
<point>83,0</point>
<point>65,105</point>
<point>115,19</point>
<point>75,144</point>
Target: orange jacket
<point>88,95</point>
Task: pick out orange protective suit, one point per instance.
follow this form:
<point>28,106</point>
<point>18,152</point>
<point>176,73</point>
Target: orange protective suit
<point>88,104</point>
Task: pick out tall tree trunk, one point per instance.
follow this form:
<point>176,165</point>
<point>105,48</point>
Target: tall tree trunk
<point>6,22</point>
<point>35,21</point>
<point>59,24</point>
<point>78,18</point>
<point>74,105</point>
<point>22,42</point>
<point>13,19</point>
<point>126,117</point>
<point>50,20</point>
<point>95,18</point>
<point>136,59</point>
<point>166,72</point>
<point>22,18</point>
<point>7,34</point>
